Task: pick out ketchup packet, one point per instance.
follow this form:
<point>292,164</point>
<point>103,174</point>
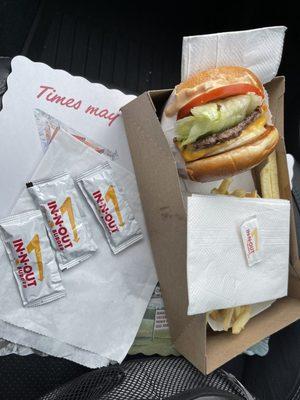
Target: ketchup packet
<point>32,259</point>
<point>107,200</point>
<point>69,233</point>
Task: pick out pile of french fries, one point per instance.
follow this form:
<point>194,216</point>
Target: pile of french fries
<point>236,318</point>
<point>224,189</point>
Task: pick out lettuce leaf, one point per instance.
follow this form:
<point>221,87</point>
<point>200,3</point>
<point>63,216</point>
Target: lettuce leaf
<point>215,117</point>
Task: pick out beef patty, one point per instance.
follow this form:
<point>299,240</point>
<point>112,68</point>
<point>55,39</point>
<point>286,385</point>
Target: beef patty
<point>228,134</point>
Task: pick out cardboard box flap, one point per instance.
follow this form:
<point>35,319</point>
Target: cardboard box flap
<point>223,346</point>
<point>165,215</point>
<point>275,89</point>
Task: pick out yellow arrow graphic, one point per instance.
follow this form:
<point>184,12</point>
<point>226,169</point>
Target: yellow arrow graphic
<point>111,195</point>
<point>34,245</point>
<point>67,207</point>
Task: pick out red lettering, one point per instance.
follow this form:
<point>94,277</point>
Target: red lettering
<point>58,219</point>
<point>29,276</point>
<point>52,97</point>
<point>33,283</point>
<point>69,103</point>
<point>17,241</point>
<point>92,110</point>
<point>27,269</point>
<point>112,117</point>
<point>112,225</point>
<point>104,208</point>
<point>77,105</point>
<point>23,258</point>
<point>108,218</point>
<point>44,90</point>
<point>103,113</point>
<point>19,245</point>
<point>62,231</point>
<point>53,207</point>
<point>55,99</point>
<point>72,104</point>
<point>97,196</point>
<point>250,244</point>
<point>65,239</point>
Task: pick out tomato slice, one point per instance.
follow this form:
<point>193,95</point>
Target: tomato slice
<point>216,94</point>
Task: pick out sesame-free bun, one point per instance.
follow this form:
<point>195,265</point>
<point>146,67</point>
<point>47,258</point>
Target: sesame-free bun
<point>234,161</point>
<point>223,76</point>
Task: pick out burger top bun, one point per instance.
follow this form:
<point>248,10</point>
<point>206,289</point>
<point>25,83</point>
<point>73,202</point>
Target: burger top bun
<point>203,82</point>
<point>221,76</point>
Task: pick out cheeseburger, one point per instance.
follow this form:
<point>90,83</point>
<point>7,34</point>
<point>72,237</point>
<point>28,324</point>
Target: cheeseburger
<point>222,125</point>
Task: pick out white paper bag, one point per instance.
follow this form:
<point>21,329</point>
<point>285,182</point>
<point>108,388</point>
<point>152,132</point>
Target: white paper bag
<point>219,275</point>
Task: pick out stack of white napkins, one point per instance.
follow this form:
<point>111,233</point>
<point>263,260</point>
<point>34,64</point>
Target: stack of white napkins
<point>237,251</point>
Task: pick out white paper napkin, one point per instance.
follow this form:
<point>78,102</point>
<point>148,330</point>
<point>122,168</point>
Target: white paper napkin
<point>217,269</point>
<point>106,295</point>
<point>257,49</point>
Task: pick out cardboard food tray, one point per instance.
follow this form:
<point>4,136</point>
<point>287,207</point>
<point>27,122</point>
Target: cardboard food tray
<point>166,220</point>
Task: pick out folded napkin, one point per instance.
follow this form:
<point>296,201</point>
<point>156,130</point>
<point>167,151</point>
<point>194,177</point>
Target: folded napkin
<point>237,251</point>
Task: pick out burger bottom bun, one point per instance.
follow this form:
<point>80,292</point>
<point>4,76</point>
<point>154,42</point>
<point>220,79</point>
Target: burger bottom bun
<point>234,161</point>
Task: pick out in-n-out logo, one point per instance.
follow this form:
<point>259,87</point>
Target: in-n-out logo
<point>251,240</point>
<point>57,224</point>
<point>109,219</point>
<point>24,263</point>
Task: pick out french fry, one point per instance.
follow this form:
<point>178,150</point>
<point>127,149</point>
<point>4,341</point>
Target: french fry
<point>224,186</point>
<point>227,315</point>
<point>269,178</point>
<point>235,318</point>
<point>215,314</point>
<point>236,313</point>
<point>238,193</point>
<point>242,320</point>
<point>253,194</point>
<point>274,176</point>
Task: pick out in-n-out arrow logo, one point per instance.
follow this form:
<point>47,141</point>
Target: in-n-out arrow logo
<point>251,240</point>
<point>24,265</point>
<point>59,230</point>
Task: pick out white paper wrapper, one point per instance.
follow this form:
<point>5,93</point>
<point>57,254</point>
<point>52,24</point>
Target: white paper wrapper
<point>21,341</point>
<point>106,295</point>
<point>22,145</point>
